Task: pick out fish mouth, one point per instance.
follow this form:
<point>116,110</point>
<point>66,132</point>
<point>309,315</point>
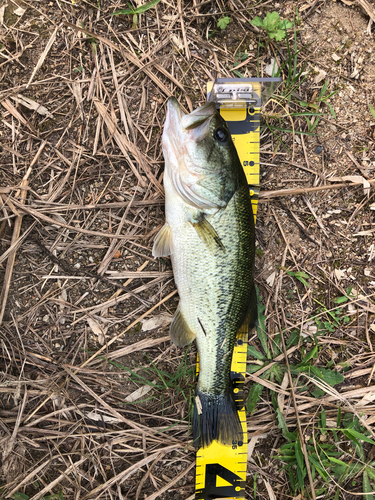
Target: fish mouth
<point>180,127</point>
<point>176,118</point>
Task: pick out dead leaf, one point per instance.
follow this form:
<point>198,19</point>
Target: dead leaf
<point>2,12</point>
<point>156,322</point>
<point>100,417</point>
<point>354,178</point>
<point>304,7</point>
<point>367,398</point>
<point>117,255</point>
<point>30,104</point>
<point>340,273</point>
<point>335,57</point>
<point>281,396</point>
<point>365,233</point>
<point>271,493</point>
<point>272,68</point>
<point>142,391</point>
<point>322,74</point>
<point>19,12</point>
<point>271,279</point>
<point>97,330</point>
<point>177,42</point>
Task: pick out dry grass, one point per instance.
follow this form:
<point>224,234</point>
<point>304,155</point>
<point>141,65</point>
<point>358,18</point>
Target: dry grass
<point>82,99</point>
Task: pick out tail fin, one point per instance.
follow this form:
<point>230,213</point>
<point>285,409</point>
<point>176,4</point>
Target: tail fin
<point>215,417</point>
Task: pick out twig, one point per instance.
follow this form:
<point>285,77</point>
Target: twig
<point>266,195</point>
<point>316,217</point>
<point>128,328</point>
<point>43,55</point>
<point>300,432</point>
<point>171,483</point>
<point>12,256</point>
<point>187,51</point>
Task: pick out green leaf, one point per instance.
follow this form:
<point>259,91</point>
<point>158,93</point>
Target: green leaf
<point>299,455</point>
<point>331,377</point>
<point>293,338</point>
<point>282,423</point>
<point>278,36</point>
<point>359,436</point>
<point>323,420</point>
<point>271,20</point>
<point>253,351</point>
<point>317,393</point>
<point>252,368</point>
<point>372,110</point>
<point>310,355</point>
<point>135,21</point>
<point>20,496</point>
<point>261,328</point>
<point>370,471</point>
<point>223,22</point>
<point>319,468</point>
<point>253,397</point>
<point>337,461</point>
<point>146,6</point>
<point>367,486</point>
<point>340,300</point>
<point>331,110</point>
<point>138,10</point>
<point>257,21</point>
<point>123,11</point>
<point>285,25</point>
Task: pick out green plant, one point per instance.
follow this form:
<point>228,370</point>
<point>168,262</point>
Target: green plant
<point>223,22</point>
<point>23,496</point>
<point>372,110</point>
<point>300,276</point>
<point>315,103</point>
<point>273,25</point>
<point>276,371</point>
<point>136,11</point>
<point>324,447</point>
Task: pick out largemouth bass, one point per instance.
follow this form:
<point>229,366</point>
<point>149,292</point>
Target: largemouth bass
<point>209,234</point>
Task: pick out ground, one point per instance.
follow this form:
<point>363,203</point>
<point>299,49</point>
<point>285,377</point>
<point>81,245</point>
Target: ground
<point>86,308</point>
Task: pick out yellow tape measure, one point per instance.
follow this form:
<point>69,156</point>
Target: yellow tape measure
<point>221,469</point>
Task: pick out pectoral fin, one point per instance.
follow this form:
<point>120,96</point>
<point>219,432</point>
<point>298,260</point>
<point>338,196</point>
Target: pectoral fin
<point>163,242</point>
<point>208,234</point>
<point>181,334</point>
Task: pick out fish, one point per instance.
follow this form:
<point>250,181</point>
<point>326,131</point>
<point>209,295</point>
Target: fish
<point>209,236</point>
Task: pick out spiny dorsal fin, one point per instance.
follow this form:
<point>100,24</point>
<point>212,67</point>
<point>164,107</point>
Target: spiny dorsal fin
<point>208,234</point>
<point>181,334</point>
<point>163,242</point>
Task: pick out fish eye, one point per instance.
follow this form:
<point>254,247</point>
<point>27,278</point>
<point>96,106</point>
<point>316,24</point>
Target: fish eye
<point>220,134</point>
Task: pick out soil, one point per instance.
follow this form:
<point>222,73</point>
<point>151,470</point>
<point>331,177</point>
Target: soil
<point>74,339</point>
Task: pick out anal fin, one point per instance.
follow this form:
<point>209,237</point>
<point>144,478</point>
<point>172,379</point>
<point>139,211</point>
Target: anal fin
<point>180,332</point>
<point>163,242</point>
